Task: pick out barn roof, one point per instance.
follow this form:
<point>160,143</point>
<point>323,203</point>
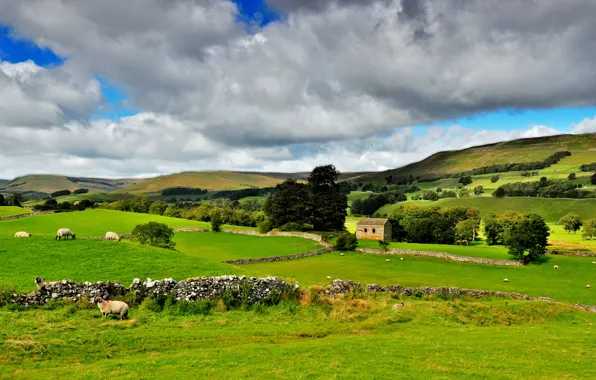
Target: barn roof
<point>372,222</point>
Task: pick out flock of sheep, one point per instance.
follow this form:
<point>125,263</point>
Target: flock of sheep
<point>66,232</point>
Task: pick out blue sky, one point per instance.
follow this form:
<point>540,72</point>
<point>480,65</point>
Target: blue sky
<point>317,82</point>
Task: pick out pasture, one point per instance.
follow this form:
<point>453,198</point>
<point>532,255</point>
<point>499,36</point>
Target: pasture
<point>10,211</point>
<point>347,339</point>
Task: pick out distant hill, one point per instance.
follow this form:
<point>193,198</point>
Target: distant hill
<point>3,181</point>
<point>582,148</point>
<point>47,183</point>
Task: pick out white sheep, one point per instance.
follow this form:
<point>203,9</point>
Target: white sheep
<point>505,280</point>
<point>556,267</point>
<point>387,260</point>
<point>593,262</point>
<point>22,234</point>
<point>112,236</point>
<point>65,232</point>
<point>398,305</point>
<point>328,277</point>
<point>401,258</point>
<point>341,254</point>
<point>588,286</point>
<point>112,307</point>
<point>41,283</point>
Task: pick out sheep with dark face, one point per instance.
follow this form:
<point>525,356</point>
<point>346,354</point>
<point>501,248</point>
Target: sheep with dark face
<point>398,305</point>
<point>22,234</point>
<point>41,283</point>
<point>65,233</point>
<point>112,307</point>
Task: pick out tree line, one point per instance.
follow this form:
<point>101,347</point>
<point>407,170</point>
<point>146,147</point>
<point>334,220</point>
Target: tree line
<point>371,204</point>
<point>544,188</point>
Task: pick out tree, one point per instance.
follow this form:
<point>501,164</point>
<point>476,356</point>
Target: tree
<point>346,242</point>
<point>499,193</point>
<point>291,203</point>
<point>478,190</point>
<point>465,180</point>
<point>495,178</point>
<point>140,204</point>
<point>215,216</point>
<point>593,179</point>
<point>2,201</point>
<point>172,211</point>
<point>430,196</point>
<point>328,203</point>
<point>466,230</point>
<point>158,208</point>
<point>384,245</point>
<point>529,235</point>
<point>439,189</point>
<point>571,176</point>
<point>495,226</point>
<point>15,200</point>
<point>155,234</point>
<point>589,231</point>
<point>571,222</point>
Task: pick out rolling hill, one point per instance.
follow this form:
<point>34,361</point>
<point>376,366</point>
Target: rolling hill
<point>47,183</point>
<point>582,148</point>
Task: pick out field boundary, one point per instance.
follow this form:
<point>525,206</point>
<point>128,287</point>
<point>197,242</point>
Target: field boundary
<point>442,255</point>
<point>272,259</point>
<point>25,215</point>
<point>555,252</point>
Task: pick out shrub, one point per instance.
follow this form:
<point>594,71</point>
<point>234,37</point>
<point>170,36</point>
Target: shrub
<point>346,242</point>
<point>216,220</point>
<point>155,234</point>
<point>60,193</point>
<point>291,226</point>
<point>158,208</point>
<point>478,190</point>
<point>571,176</point>
<point>430,196</point>
<point>384,245</point>
<point>465,180</point>
<point>495,178</point>
<point>589,231</point>
<point>80,191</point>
<point>265,226</point>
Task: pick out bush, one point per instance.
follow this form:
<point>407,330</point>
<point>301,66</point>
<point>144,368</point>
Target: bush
<point>589,231</point>
<point>158,208</point>
<point>346,242</point>
<point>265,226</point>
<point>60,193</point>
<point>571,222</point>
<point>292,226</point>
<point>495,178</point>
<point>465,180</point>
<point>478,190</point>
<point>155,234</point>
<point>384,245</point>
<point>571,177</point>
<point>80,191</point>
<point>216,220</point>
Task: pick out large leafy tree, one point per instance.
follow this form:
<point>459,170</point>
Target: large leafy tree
<point>15,200</point>
<point>2,201</point>
<point>328,203</point>
<point>589,231</point>
<point>571,222</point>
<point>291,203</point>
<point>155,234</point>
<point>527,239</point>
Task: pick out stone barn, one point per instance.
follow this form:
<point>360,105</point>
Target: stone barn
<point>373,229</point>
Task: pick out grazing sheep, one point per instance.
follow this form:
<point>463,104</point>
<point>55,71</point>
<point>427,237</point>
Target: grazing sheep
<point>112,307</point>
<point>387,260</point>
<point>398,305</point>
<point>112,236</point>
<point>556,267</point>
<point>341,254</point>
<point>41,283</point>
<point>22,234</point>
<point>328,277</point>
<point>65,232</point>
<point>588,286</point>
<point>401,258</point>
<point>593,262</point>
<point>505,280</point>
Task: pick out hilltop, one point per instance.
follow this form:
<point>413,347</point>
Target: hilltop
<point>582,148</point>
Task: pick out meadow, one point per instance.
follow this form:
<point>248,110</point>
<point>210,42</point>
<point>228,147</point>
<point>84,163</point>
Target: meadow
<point>10,211</point>
<point>427,338</point>
<point>361,337</point>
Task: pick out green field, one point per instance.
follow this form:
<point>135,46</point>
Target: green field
<point>550,209</point>
<point>10,211</point>
<point>348,338</point>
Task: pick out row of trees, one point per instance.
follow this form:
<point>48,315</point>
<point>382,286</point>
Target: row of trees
<point>371,204</point>
<point>544,189</point>
<point>12,200</point>
<point>588,167</point>
<point>52,204</point>
<point>436,225</point>
<point>318,204</point>
<point>573,223</point>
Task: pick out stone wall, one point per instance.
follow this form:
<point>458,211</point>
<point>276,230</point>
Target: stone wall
<point>572,253</point>
<point>442,255</point>
<point>11,217</point>
<point>248,289</point>
<point>271,259</point>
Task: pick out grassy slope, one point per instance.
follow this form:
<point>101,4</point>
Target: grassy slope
<point>582,148</point>
<point>48,183</point>
<point>550,209</point>
<point>425,339</point>
<point>9,211</point>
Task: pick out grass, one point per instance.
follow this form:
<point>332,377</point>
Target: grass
<point>476,249</point>
<point>201,254</point>
<point>49,183</point>
<point>10,211</point>
<point>550,209</point>
<point>349,339</point>
<point>91,223</point>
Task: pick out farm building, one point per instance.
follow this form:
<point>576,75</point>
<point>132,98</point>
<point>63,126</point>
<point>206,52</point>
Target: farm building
<point>373,229</point>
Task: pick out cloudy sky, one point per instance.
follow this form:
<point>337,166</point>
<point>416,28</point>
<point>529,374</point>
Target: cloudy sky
<point>141,87</point>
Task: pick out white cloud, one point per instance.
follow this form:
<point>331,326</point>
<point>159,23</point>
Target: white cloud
<point>585,126</point>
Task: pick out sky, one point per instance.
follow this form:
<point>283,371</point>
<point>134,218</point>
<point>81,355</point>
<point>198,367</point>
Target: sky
<point>146,87</point>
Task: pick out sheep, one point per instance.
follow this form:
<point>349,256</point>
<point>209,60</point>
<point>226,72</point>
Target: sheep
<point>398,305</point>
<point>112,307</point>
<point>588,286</point>
<point>593,262</point>
<point>401,258</point>
<point>41,283</point>
<point>387,260</point>
<point>341,254</point>
<point>505,280</point>
<point>22,234</point>
<point>328,277</point>
<point>556,267</point>
<point>112,236</point>
<point>65,232</point>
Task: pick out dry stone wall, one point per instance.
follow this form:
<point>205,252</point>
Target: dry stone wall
<point>241,288</point>
<point>572,253</point>
<point>271,259</point>
<point>442,255</point>
<point>11,217</point>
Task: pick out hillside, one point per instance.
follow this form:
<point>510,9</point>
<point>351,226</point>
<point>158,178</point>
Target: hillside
<point>582,148</point>
<point>47,183</point>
